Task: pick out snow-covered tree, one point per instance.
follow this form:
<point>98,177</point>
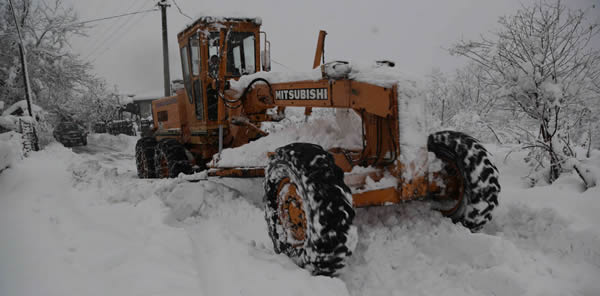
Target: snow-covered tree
<point>542,62</point>
<point>61,81</point>
<point>464,101</point>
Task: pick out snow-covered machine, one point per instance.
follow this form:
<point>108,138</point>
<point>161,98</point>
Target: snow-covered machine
<point>310,192</point>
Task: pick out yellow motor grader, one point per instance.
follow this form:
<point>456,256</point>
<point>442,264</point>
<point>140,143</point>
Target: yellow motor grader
<point>310,193</point>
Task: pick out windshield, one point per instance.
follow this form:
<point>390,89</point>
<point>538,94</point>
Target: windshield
<point>241,57</point>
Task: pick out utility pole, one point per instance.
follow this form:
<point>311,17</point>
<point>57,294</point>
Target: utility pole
<point>163,12</point>
<point>27,128</point>
<point>22,52</point>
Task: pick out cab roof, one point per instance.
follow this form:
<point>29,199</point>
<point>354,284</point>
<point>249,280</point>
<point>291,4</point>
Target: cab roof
<point>224,20</point>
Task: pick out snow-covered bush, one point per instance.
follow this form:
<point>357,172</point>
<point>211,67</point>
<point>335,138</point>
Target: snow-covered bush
<point>542,65</point>
<point>11,149</point>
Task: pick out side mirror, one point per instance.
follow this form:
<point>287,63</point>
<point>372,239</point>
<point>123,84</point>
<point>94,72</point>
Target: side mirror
<point>265,55</point>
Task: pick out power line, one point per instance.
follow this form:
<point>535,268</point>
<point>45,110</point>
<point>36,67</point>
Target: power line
<point>97,47</point>
<point>115,16</point>
<point>113,27</point>
<point>180,11</point>
<point>278,63</point>
<point>120,36</point>
<point>106,30</point>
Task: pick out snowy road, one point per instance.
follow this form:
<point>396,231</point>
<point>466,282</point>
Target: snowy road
<point>79,222</point>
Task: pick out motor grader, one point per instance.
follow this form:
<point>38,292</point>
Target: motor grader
<point>310,193</point>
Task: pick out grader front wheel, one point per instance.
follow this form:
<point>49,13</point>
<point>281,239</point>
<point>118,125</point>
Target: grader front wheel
<point>308,208</point>
<point>290,211</point>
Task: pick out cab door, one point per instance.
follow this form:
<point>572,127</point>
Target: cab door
<point>213,57</point>
<point>196,81</point>
<point>191,66</point>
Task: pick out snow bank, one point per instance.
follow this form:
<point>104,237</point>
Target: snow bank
<point>9,122</point>
<point>11,149</point>
<point>61,237</point>
<point>230,241</point>
<point>321,131</point>
<point>541,241</point>
<point>22,105</point>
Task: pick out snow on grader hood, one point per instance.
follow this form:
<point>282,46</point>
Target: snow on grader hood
<point>312,183</point>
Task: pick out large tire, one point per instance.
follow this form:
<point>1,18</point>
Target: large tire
<point>171,159</point>
<point>467,158</point>
<point>303,179</point>
<point>144,157</point>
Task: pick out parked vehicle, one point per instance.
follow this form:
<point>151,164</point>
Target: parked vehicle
<point>70,134</point>
<point>99,127</point>
<point>125,127</point>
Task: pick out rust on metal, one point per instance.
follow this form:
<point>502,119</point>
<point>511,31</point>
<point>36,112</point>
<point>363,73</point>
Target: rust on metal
<point>291,212</point>
<point>378,197</point>
<point>237,172</point>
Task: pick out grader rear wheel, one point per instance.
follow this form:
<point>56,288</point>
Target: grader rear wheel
<point>308,208</point>
<point>170,159</point>
<point>470,163</point>
<point>144,157</point>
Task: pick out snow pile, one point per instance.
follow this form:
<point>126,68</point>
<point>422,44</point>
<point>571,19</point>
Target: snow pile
<point>319,130</point>
<point>11,149</point>
<point>274,77</point>
<point>12,122</point>
<point>20,107</point>
<point>119,142</point>
<point>70,241</point>
<point>124,100</point>
<point>218,17</point>
<point>230,241</point>
<point>9,122</point>
<point>411,105</point>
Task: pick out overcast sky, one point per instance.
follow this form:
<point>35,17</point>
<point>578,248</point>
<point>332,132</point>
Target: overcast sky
<point>415,34</point>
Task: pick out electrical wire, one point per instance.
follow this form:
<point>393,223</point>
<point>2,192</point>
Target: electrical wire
<point>180,11</point>
<point>278,63</point>
<point>112,29</point>
<point>119,37</point>
<point>115,16</point>
<point>99,47</point>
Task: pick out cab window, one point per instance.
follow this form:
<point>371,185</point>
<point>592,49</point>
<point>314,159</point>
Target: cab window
<point>185,66</point>
<point>195,54</point>
<point>240,56</point>
<point>213,54</point>
<point>194,43</point>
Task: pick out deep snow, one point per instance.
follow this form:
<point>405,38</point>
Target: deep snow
<point>79,222</point>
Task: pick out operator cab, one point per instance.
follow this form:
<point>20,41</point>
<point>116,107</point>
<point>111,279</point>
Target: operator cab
<point>207,61</point>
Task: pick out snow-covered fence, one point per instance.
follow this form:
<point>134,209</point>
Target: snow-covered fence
<point>30,139</point>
